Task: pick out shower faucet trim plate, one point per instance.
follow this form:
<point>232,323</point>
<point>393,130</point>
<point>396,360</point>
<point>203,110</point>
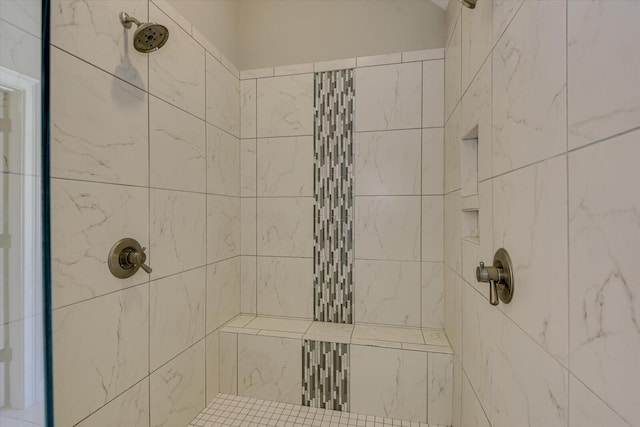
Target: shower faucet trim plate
<point>499,276</point>
<point>126,257</point>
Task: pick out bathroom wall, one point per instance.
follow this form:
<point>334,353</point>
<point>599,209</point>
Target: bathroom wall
<point>286,32</point>
<point>143,146</point>
<point>217,20</point>
<point>398,187</point>
<point>264,33</point>
<point>548,90</point>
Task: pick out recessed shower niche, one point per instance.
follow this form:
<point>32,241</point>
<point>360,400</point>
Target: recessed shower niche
<point>469,172</point>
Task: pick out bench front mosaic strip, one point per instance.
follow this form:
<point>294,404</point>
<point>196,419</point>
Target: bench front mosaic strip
<point>325,375</point>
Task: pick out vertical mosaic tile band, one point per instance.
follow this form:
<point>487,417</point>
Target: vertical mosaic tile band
<point>333,192</point>
<point>325,375</point>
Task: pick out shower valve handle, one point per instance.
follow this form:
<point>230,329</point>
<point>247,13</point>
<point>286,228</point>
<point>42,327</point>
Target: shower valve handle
<point>499,276</point>
<point>126,257</point>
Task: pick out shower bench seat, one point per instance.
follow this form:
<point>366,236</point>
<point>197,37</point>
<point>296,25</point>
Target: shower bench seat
<point>385,371</point>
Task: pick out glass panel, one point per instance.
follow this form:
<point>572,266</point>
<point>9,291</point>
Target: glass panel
<point>22,374</point>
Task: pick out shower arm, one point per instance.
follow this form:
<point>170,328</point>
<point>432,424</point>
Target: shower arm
<point>126,20</point>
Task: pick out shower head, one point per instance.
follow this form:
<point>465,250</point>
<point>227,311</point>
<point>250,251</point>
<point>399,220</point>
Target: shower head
<point>148,37</point>
<point>471,4</point>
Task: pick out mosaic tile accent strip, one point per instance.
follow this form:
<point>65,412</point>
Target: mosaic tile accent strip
<point>333,193</point>
<point>325,375</point>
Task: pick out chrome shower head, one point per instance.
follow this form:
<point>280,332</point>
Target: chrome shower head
<point>148,37</point>
<point>471,4</point>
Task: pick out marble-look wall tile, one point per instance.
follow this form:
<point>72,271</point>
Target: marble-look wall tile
<point>388,163</point>
<point>458,377</point>
<point>171,12</point>
<point>472,413</point>
<point>178,389</point>
<point>285,226</point>
<point>223,227</point>
<point>530,220</point>
<point>212,365</point>
<point>433,94</point>
<point>285,287</point>
<point>248,284</point>
<point>285,166</point>
<point>228,362</point>
<point>248,106</point>
<point>182,57</point>
<point>178,232</point>
<point>131,408</point>
<point>223,292</point>
<point>452,156</point>
<point>439,388</point>
<point>532,385</point>
<point>604,243</point>
<point>587,410</point>
<point>18,47</point>
<point>529,87</point>
<point>177,315</point>
<point>477,39</point>
<point>388,228</point>
<point>23,14</point>
<point>399,388</point>
<point>248,162</point>
<point>113,356</point>
<point>453,71</point>
<point>432,161</point>
<point>451,16</point>
<point>91,31</point>
<point>248,226</point>
<point>453,309</point>
<point>223,97</point>
<point>387,292</point>
<point>389,97</point>
<point>503,13</point>
<point>176,148</point>
<point>285,106</point>
<point>432,283</point>
<point>223,162</point>
<point>475,119</point>
<point>269,368</point>
<point>432,228</point>
<point>368,61</point>
<point>453,231</point>
<point>479,322</point>
<point>604,95</point>
<point>89,218</point>
<point>85,144</point>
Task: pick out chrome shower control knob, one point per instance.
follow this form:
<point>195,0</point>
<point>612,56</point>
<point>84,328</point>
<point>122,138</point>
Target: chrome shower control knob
<point>126,257</point>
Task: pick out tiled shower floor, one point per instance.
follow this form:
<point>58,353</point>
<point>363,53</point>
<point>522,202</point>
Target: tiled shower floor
<point>238,411</point>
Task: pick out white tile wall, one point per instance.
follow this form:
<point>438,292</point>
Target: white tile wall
<point>116,154</point>
<point>388,97</point>
<point>270,367</point>
<point>133,156</point>
<point>399,390</point>
<point>285,106</point>
<point>183,57</point>
<point>96,213</point>
<point>554,107</point>
<point>114,354</point>
<point>177,147</point>
<point>602,101</point>
<point>285,166</point>
<point>178,388</point>
<point>396,161</point>
<point>177,315</point>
